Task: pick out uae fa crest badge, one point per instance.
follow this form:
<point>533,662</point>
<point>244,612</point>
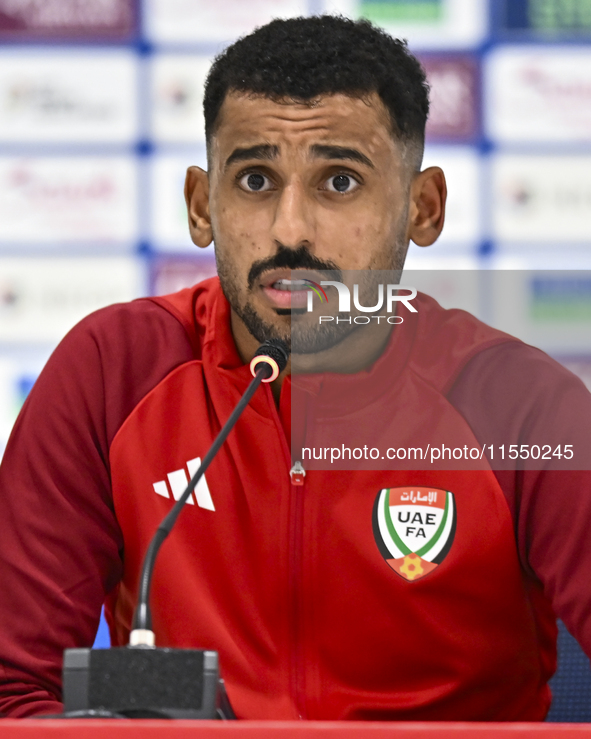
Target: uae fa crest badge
<point>414,528</point>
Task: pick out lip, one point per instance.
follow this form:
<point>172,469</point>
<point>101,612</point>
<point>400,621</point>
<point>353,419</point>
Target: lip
<point>285,298</point>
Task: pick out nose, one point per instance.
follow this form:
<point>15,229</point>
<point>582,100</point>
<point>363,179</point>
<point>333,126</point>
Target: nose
<point>293,224</point>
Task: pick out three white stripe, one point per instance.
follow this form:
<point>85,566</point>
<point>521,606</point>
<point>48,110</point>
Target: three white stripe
<point>178,483</point>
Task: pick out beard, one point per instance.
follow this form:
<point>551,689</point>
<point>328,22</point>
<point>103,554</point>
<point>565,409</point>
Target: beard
<point>304,334</point>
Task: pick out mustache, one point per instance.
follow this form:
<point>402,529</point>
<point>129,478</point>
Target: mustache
<point>299,258</point>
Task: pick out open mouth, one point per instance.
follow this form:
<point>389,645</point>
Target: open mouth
<point>287,292</point>
<point>291,285</point>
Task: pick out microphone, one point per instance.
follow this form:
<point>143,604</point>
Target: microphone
<point>269,360</point>
<point>274,354</point>
<point>127,681</point>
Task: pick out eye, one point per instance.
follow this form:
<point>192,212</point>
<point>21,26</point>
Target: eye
<point>255,182</point>
<point>341,183</point>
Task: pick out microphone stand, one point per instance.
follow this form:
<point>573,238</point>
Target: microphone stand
<point>140,680</point>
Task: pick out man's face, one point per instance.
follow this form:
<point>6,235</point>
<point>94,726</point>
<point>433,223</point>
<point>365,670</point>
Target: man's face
<point>299,186</point>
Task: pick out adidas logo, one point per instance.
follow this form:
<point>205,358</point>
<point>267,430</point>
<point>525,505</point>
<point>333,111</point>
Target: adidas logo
<point>178,481</point>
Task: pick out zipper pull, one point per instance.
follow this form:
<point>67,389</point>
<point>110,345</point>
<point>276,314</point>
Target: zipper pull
<point>297,474</point>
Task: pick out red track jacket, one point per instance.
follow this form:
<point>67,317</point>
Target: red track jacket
<point>311,594</point>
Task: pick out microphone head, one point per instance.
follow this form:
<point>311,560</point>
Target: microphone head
<point>273,353</point>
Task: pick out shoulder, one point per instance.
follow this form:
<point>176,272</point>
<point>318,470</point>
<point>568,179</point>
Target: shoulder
<point>446,340</point>
<point>186,314</point>
<point>115,356</point>
<point>127,329</point>
<point>521,381</point>
<point>482,362</point>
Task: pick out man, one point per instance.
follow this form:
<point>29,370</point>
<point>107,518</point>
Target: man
<point>315,131</point>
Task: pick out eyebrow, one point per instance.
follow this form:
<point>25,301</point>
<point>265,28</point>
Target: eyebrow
<point>323,151</point>
<point>260,151</point>
<point>340,152</point>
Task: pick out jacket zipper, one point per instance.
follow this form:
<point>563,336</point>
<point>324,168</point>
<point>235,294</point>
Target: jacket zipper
<point>297,473</point>
<point>296,510</point>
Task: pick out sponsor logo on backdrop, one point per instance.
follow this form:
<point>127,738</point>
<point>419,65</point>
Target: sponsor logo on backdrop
<point>68,97</point>
<point>545,17</point>
<point>539,93</point>
<point>67,18</point>
<point>453,111</point>
<point>414,529</point>
<point>204,20</point>
<point>170,274</point>
<point>393,11</point>
<point>10,296</point>
<point>428,24</point>
<point>52,199</point>
<point>541,198</point>
<point>558,298</point>
<point>177,94</point>
<point>41,298</point>
<point>35,98</point>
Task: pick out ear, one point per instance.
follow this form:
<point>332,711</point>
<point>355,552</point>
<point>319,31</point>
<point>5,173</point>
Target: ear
<point>428,193</point>
<point>197,199</point>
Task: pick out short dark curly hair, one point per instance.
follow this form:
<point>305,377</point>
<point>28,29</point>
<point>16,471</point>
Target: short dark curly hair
<point>302,58</point>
